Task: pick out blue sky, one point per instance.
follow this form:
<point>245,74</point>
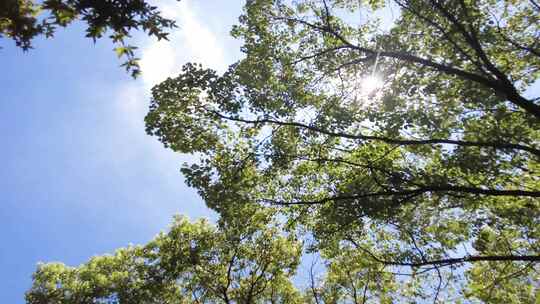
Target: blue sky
<point>80,177</point>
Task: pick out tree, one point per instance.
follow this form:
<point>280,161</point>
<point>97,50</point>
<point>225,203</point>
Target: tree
<point>23,20</point>
<point>195,262</point>
<point>416,146</point>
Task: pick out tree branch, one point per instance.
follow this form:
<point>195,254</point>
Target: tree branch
<point>397,141</point>
<point>452,261</point>
<point>411,193</point>
<point>501,84</point>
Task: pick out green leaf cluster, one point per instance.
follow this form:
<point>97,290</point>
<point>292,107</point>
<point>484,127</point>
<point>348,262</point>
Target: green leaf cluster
<point>23,20</point>
<point>194,262</point>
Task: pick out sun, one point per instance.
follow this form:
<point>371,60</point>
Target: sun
<point>370,84</point>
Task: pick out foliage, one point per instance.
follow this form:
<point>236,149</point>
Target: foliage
<point>195,262</point>
<point>23,20</point>
<point>414,148</point>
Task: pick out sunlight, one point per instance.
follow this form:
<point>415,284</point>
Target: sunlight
<point>370,84</point>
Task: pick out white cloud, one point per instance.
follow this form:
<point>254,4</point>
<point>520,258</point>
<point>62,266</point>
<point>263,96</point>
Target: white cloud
<point>192,41</point>
<point>158,62</point>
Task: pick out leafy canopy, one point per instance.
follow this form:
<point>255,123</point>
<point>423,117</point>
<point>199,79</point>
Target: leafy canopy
<point>194,262</point>
<point>414,146</point>
<point>23,20</point>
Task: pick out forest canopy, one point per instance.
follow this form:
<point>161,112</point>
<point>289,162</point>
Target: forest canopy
<point>406,156</point>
